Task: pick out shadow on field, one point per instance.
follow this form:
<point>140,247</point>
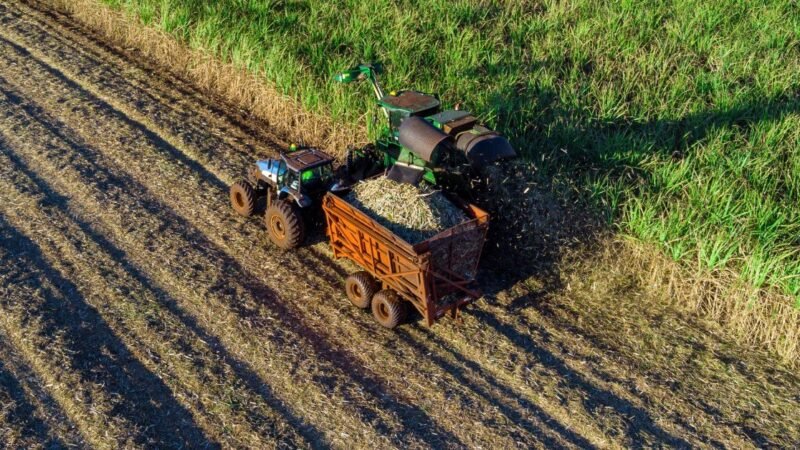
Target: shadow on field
<point>95,352</point>
<point>242,369</point>
<point>535,220</point>
<point>535,225</point>
<point>727,356</point>
<point>573,142</point>
<point>595,398</point>
<point>416,423</point>
<point>18,411</point>
<point>511,404</point>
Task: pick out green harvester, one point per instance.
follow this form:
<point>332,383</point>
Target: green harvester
<point>420,141</point>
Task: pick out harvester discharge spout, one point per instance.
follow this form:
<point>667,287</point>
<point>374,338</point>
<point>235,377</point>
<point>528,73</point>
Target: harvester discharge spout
<point>364,72</point>
<point>483,146</point>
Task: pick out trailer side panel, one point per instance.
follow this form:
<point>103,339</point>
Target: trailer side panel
<point>435,276</point>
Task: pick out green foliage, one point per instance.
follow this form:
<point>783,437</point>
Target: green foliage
<point>680,119</point>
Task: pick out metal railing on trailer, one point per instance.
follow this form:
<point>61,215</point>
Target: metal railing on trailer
<point>436,276</point>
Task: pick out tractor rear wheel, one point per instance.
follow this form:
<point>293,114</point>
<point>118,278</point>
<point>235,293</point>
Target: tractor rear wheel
<point>360,288</point>
<point>285,225</point>
<point>388,308</point>
<point>243,198</point>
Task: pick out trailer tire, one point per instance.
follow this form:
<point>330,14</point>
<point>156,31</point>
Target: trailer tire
<point>243,198</point>
<point>360,288</point>
<point>285,225</point>
<point>388,308</point>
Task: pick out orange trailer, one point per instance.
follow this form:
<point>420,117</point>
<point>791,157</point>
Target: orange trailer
<point>436,276</point>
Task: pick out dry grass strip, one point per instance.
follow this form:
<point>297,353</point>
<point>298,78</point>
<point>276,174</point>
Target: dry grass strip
<point>757,317</point>
<point>237,86</point>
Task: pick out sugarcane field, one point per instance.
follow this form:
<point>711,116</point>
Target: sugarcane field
<point>470,224</point>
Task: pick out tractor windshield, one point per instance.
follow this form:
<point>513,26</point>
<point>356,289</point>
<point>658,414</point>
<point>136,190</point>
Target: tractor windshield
<point>316,177</point>
<point>291,180</point>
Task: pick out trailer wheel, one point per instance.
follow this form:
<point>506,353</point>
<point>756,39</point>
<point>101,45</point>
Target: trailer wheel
<point>360,288</point>
<point>285,225</point>
<point>388,308</point>
<point>243,198</point>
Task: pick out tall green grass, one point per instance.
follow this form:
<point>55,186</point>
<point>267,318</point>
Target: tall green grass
<point>679,120</point>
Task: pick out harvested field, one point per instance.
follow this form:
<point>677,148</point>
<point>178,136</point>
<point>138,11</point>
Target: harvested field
<point>136,310</point>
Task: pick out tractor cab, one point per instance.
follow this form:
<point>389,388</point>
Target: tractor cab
<point>309,169</point>
<point>304,175</point>
<point>301,175</point>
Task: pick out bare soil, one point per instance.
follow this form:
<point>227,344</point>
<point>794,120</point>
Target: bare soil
<point>136,309</point>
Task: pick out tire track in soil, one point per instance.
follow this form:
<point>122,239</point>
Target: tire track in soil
<point>522,436</point>
<point>125,403</point>
<point>108,188</point>
<point>481,347</point>
<point>146,318</point>
<point>167,107</point>
<point>29,416</point>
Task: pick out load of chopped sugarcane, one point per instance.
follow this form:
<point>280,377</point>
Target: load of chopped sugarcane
<point>413,213</point>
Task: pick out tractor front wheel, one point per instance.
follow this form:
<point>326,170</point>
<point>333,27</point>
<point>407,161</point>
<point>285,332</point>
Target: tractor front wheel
<point>243,198</point>
<point>360,288</point>
<point>285,225</point>
<point>388,308</point>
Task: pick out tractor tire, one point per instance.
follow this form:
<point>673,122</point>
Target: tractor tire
<point>388,308</point>
<point>285,225</point>
<point>360,288</point>
<point>243,198</point>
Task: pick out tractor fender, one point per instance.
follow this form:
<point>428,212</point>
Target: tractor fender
<point>301,200</point>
